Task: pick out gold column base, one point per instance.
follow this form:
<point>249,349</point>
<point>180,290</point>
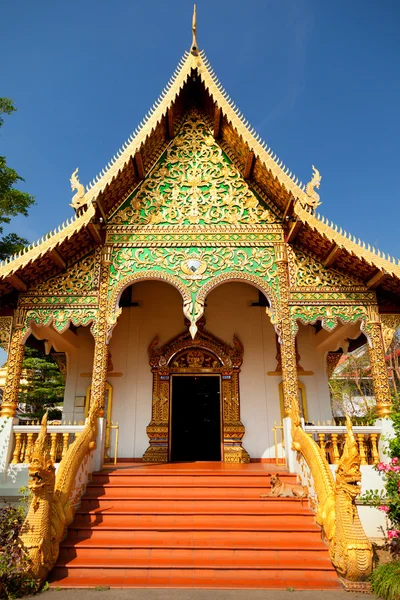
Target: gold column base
<point>384,409</point>
<point>8,409</point>
<point>235,454</point>
<point>233,449</point>
<point>158,437</point>
<point>156,454</point>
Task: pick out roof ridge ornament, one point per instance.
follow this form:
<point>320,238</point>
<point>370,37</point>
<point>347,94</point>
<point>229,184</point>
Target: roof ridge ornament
<point>194,49</point>
<point>312,201</point>
<point>78,199</point>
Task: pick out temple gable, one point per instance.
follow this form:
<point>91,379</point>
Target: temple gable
<point>194,183</point>
<point>308,272</point>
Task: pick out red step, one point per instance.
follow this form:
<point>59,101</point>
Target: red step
<point>192,526</point>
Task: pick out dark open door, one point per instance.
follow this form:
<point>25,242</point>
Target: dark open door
<point>196,418</point>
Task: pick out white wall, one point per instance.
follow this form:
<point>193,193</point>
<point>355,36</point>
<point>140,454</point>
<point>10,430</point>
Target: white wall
<point>228,312</point>
<point>79,363</point>
<point>317,389</point>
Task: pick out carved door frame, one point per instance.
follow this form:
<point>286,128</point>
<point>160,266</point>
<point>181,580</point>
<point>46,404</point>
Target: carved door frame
<point>206,354</point>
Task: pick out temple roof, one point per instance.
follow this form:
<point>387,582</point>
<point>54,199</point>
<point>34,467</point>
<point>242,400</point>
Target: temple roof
<point>194,84</point>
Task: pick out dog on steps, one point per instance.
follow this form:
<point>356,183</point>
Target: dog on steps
<point>286,490</point>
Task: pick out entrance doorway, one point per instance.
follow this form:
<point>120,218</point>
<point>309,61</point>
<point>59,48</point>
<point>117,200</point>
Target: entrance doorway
<point>196,418</point>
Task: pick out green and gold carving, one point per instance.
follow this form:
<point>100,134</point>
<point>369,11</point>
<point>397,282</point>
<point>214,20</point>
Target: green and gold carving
<point>194,271</point>
<point>194,183</point>
<point>307,271</point>
<point>60,318</point>
<point>328,315</point>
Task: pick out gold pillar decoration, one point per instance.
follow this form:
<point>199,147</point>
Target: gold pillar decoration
<point>101,332</point>
<point>14,367</point>
<point>286,336</point>
<point>5,332</point>
<point>390,324</point>
<point>373,330</point>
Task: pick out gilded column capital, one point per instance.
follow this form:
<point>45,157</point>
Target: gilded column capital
<point>19,318</point>
<point>281,253</point>
<point>106,255</point>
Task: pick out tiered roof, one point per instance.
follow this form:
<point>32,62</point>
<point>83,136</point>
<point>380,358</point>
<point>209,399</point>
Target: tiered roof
<point>194,83</point>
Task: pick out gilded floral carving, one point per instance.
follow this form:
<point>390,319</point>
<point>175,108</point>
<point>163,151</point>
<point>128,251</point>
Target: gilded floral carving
<point>195,183</point>
<point>77,279</point>
<point>5,332</point>
<point>307,271</point>
<point>328,315</point>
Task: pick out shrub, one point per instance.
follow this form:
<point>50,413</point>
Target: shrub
<point>385,581</point>
<point>15,580</point>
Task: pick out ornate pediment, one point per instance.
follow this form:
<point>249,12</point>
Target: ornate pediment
<point>307,272</point>
<point>79,278</point>
<point>194,183</point>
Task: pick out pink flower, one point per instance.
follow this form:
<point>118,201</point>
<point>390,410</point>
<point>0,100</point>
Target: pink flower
<point>381,466</point>
<point>393,533</point>
<point>395,459</point>
<point>384,508</point>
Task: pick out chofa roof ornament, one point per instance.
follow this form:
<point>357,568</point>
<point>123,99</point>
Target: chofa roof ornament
<point>194,49</point>
<point>312,202</point>
<point>78,199</point>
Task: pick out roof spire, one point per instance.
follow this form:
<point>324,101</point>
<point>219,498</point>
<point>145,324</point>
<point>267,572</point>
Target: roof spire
<point>194,49</point>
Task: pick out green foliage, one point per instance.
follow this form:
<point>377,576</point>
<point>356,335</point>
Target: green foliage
<point>44,387</point>
<point>394,443</point>
<point>15,580</point>
<point>12,201</point>
<point>385,581</point>
<point>351,388</point>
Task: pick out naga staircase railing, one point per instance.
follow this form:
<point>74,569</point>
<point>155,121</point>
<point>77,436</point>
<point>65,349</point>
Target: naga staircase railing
<point>334,500</point>
<point>56,496</point>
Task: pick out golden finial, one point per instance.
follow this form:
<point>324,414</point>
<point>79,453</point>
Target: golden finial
<point>312,202</point>
<point>194,48</point>
<point>79,199</point>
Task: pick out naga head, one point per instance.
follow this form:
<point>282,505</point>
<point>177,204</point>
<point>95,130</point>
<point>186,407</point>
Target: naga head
<point>348,474</point>
<point>41,468</point>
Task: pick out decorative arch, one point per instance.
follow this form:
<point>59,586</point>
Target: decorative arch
<point>115,296</point>
<point>240,276</point>
<point>206,354</point>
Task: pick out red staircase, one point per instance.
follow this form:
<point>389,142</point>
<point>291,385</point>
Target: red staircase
<point>192,525</point>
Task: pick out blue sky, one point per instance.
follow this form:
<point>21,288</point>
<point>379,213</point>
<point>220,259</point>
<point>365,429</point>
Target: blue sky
<point>319,80</point>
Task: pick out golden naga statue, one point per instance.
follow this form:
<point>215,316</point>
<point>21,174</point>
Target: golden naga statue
<point>352,554</point>
<point>36,534</point>
<point>54,497</point>
<point>312,202</point>
<point>78,199</point>
<point>349,548</point>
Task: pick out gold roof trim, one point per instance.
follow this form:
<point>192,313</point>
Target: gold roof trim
<point>348,242</point>
<point>143,131</point>
<point>188,62</point>
<point>261,150</point>
<point>46,243</point>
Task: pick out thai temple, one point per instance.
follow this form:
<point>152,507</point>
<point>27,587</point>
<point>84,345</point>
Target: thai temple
<point>198,302</point>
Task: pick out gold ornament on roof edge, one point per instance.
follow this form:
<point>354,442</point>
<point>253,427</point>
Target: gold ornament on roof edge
<point>313,197</point>
<point>79,199</point>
